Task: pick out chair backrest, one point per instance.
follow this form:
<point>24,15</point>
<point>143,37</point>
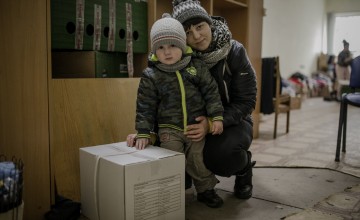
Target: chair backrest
<point>269,84</point>
<point>277,76</point>
<point>355,73</point>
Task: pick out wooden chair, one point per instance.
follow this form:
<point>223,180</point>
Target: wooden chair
<point>281,101</point>
<point>275,101</point>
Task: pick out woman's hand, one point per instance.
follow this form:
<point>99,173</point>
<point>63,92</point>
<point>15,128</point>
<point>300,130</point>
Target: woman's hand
<point>217,128</point>
<point>197,132</point>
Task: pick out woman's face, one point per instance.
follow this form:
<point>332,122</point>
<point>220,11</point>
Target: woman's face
<point>199,36</point>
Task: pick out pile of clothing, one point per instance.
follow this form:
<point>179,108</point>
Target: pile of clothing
<point>11,184</point>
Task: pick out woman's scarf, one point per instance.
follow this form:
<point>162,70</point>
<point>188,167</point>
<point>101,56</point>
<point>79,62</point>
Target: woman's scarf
<point>220,45</point>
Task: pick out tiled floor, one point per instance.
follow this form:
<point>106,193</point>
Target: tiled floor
<point>296,173</point>
<point>311,141</point>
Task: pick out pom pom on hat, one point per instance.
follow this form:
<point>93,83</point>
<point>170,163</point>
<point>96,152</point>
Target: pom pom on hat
<point>166,15</point>
<point>184,10</point>
<point>167,30</point>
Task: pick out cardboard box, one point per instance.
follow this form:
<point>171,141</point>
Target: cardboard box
<point>140,26</point>
<point>89,64</point>
<point>64,23</point>
<point>119,182</point>
<point>295,103</point>
<point>93,32</point>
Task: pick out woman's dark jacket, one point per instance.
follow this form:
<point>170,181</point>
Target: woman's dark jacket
<point>238,87</point>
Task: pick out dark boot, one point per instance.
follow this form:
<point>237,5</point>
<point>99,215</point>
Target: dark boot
<point>210,198</point>
<point>243,182</point>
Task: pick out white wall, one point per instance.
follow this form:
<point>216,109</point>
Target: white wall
<point>341,6</point>
<point>293,30</point>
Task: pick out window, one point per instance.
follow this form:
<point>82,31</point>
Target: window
<point>347,27</point>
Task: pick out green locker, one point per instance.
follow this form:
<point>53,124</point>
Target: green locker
<point>89,64</point>
<point>64,21</point>
<point>139,26</point>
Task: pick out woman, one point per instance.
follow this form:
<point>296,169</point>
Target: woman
<point>210,38</point>
<point>226,154</point>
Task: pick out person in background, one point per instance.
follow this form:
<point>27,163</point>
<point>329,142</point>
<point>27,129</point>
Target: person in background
<point>343,67</point>
<point>173,91</point>
<point>210,38</point>
<point>331,71</point>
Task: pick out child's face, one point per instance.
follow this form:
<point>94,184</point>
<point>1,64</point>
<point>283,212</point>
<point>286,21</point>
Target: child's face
<point>168,54</point>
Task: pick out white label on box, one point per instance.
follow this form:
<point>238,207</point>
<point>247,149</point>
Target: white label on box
<point>112,25</point>
<point>129,40</point>
<point>79,32</point>
<point>157,197</point>
<point>97,27</point>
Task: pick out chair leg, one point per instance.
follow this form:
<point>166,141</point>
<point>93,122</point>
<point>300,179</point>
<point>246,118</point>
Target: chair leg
<point>275,125</point>
<point>344,127</point>
<point>287,121</point>
<point>337,154</point>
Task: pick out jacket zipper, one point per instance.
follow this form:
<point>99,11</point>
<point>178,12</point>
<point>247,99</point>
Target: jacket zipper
<point>183,98</point>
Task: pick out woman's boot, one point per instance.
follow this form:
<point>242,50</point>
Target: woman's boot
<point>243,182</point>
<point>188,181</point>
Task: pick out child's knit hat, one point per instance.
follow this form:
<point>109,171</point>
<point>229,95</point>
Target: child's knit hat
<point>184,10</point>
<point>167,30</point>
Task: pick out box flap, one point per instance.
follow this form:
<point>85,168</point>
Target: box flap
<point>109,149</point>
<point>125,159</point>
<point>134,156</point>
<point>156,152</point>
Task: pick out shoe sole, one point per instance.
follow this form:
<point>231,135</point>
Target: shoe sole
<point>243,196</point>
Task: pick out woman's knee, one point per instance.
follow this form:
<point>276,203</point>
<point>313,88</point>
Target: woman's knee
<point>227,154</point>
<point>226,164</point>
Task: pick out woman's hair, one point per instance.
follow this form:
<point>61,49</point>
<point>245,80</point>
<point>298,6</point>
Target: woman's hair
<point>194,21</point>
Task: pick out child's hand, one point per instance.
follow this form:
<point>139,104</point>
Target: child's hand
<point>130,140</point>
<point>141,143</point>
<point>217,127</point>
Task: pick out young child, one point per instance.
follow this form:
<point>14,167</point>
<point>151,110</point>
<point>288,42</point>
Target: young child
<point>173,91</point>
